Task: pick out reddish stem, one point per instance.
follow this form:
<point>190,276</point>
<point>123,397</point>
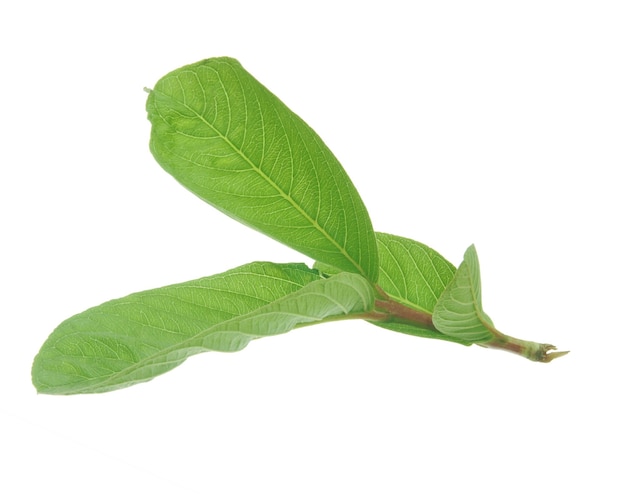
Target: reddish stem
<point>401,313</point>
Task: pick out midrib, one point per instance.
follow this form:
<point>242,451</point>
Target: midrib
<point>278,189</point>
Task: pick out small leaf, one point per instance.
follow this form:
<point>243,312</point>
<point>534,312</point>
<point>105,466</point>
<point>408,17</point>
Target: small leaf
<point>135,338</point>
<point>459,310</point>
<point>411,272</point>
<point>230,141</point>
<point>414,275</point>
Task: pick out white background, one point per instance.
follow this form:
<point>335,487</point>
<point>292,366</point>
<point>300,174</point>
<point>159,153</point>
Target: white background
<point>495,123</point>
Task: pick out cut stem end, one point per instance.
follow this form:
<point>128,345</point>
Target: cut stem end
<point>537,352</point>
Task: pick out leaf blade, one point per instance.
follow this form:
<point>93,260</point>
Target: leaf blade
<point>134,339</point>
<point>414,275</point>
<point>230,141</point>
<point>459,310</point>
<point>411,272</point>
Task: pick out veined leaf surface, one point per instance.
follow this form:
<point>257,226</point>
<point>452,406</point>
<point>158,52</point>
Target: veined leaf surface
<point>414,275</point>
<point>459,311</point>
<point>135,338</point>
<point>230,141</point>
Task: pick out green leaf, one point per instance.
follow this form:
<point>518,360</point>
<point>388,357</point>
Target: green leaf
<point>410,272</point>
<point>135,338</point>
<point>459,310</point>
<point>230,141</point>
<point>414,275</point>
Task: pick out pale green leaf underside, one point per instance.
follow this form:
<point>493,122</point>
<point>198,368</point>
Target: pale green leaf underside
<point>459,310</point>
<point>135,338</point>
<point>230,141</point>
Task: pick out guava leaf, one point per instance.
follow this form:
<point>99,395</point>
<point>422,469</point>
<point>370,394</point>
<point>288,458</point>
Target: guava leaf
<point>459,311</point>
<point>414,275</point>
<point>234,144</point>
<point>133,339</point>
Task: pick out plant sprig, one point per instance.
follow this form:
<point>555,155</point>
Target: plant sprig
<point>230,141</point>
